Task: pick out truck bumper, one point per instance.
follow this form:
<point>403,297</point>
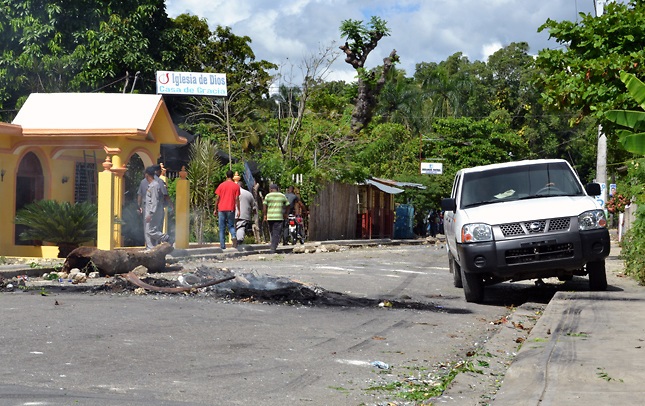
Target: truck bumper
<point>536,256</point>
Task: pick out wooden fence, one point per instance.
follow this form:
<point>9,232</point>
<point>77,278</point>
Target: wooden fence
<point>333,214</point>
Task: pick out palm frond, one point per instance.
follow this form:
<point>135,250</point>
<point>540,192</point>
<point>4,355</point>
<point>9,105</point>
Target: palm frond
<point>58,222</point>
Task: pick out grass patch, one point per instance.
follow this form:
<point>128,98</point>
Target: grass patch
<point>602,374</point>
<point>339,389</point>
<point>581,334</point>
<point>417,389</point>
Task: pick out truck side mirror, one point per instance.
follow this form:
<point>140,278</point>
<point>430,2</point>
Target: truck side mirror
<point>593,189</point>
<point>448,204</point>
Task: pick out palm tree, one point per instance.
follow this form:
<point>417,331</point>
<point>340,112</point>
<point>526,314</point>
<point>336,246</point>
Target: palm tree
<point>65,224</point>
<point>203,169</point>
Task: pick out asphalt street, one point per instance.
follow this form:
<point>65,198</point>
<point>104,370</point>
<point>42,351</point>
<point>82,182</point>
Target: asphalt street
<point>61,347</point>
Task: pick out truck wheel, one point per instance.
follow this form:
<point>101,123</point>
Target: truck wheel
<point>473,287</point>
<point>597,275</point>
<point>455,269</point>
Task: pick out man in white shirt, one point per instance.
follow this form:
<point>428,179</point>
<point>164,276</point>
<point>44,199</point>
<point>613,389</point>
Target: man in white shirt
<point>248,207</point>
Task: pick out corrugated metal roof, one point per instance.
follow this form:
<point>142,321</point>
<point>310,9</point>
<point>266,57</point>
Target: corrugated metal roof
<point>87,111</point>
<point>401,184</point>
<point>385,188</point>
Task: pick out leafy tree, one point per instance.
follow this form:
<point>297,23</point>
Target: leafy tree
<point>389,150</point>
<point>512,71</point>
<point>129,38</point>
<point>466,142</point>
<point>448,86</point>
<point>360,40</point>
<point>314,69</point>
<point>584,73</point>
<point>233,118</point>
<point>76,45</point>
<point>402,101</point>
<point>65,224</point>
<point>203,172</point>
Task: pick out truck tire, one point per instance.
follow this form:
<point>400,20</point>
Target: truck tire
<point>597,275</point>
<point>473,287</point>
<point>455,269</point>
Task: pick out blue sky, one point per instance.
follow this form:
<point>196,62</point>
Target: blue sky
<point>287,31</point>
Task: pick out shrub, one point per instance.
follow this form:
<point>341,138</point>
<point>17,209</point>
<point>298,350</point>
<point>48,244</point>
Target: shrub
<point>65,224</point>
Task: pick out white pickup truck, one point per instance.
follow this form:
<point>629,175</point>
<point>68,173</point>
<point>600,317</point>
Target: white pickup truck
<point>524,220</point>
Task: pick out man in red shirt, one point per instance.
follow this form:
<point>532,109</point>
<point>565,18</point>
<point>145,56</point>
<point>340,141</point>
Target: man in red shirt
<point>227,199</point>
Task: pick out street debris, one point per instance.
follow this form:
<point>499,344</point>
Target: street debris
<point>114,262</point>
<point>134,279</point>
<point>380,364</point>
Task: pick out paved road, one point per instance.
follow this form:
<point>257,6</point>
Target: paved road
<point>115,349</point>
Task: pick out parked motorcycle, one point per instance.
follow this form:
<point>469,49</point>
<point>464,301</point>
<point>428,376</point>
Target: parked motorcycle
<point>294,231</point>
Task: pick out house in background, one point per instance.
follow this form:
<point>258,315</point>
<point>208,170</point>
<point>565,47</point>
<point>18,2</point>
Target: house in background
<point>59,145</point>
<point>365,211</point>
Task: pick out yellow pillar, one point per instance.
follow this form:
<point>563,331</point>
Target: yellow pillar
<point>119,170</point>
<point>182,210</point>
<point>105,224</point>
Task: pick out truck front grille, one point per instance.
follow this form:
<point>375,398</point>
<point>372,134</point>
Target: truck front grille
<point>535,227</point>
<point>539,253</point>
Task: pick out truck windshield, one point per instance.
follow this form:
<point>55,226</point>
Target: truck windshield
<point>519,182</point>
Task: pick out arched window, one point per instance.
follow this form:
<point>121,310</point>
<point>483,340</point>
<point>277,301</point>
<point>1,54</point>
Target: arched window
<point>30,187</point>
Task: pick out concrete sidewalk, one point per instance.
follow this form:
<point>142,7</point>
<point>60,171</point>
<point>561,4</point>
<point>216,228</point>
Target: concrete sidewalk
<point>587,348</point>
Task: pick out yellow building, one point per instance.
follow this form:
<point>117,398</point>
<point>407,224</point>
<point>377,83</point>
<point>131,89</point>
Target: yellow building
<point>75,146</point>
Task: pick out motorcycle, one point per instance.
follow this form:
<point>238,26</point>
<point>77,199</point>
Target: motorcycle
<point>295,230</point>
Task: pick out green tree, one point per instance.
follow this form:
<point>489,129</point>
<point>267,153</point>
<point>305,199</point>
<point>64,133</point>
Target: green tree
<point>584,73</point>
<point>511,73</point>
<point>77,45</point>
<point>389,150</point>
<point>65,224</point>
<point>448,86</point>
<point>203,172</point>
<point>466,142</point>
<point>360,40</point>
<point>233,119</point>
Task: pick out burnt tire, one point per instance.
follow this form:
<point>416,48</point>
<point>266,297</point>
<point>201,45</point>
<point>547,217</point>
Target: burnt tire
<point>473,287</point>
<point>455,269</point>
<point>597,275</point>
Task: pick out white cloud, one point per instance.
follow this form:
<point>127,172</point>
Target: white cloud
<point>489,49</point>
<point>421,30</point>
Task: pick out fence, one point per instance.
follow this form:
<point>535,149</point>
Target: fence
<point>333,214</point>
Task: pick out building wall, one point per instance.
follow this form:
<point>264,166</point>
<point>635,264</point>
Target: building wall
<point>59,174</point>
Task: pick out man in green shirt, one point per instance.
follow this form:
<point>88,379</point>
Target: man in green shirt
<point>275,205</point>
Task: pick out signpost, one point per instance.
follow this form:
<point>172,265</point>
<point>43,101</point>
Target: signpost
<point>191,83</point>
<point>430,168</point>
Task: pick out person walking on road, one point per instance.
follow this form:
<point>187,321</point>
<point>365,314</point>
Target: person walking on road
<point>247,207</point>
<point>275,211</point>
<point>153,211</point>
<point>227,202</point>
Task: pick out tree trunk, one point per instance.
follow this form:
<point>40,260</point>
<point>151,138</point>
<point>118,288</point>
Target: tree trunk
<point>368,90</point>
<point>120,261</point>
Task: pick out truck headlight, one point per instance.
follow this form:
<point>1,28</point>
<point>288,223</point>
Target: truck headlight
<point>591,220</point>
<point>476,232</point>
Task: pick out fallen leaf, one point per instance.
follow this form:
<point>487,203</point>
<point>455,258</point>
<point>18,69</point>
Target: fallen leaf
<point>500,321</point>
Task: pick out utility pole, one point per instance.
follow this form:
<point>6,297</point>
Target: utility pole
<point>601,160</point>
